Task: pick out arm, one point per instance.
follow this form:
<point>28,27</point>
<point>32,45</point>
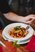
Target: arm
<point>30,19</point>
<point>13,17</point>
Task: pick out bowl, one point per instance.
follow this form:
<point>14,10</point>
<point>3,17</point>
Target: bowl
<point>26,39</point>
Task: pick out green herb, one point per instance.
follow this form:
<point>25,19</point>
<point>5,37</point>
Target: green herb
<point>17,27</point>
<point>15,44</point>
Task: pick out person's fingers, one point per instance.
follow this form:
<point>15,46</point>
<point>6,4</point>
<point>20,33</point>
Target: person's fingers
<point>33,24</point>
<point>29,21</point>
<point>31,16</point>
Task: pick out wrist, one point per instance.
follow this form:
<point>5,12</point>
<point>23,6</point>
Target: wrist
<point>22,19</point>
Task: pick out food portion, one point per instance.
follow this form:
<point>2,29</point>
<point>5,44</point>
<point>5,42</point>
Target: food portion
<point>18,32</point>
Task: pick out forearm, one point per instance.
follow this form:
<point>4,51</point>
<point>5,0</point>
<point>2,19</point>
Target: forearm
<point>13,17</point>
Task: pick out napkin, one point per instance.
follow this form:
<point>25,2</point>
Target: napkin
<point>31,45</point>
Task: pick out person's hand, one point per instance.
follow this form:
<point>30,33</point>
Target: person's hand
<point>31,20</point>
<point>33,24</point>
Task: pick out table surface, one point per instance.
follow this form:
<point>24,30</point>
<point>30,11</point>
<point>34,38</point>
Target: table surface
<point>10,43</point>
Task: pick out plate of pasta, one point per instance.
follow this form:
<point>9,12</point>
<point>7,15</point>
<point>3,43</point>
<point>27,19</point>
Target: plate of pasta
<point>18,32</point>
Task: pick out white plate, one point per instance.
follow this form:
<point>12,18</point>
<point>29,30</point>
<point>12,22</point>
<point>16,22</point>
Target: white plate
<point>22,42</point>
<point>10,26</point>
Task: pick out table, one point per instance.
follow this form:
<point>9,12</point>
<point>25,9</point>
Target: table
<point>10,44</point>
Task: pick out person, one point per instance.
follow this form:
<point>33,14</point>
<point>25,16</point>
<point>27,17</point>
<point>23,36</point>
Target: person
<point>19,10</point>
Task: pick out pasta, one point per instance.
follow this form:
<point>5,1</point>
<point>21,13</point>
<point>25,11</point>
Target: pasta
<point>18,32</point>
